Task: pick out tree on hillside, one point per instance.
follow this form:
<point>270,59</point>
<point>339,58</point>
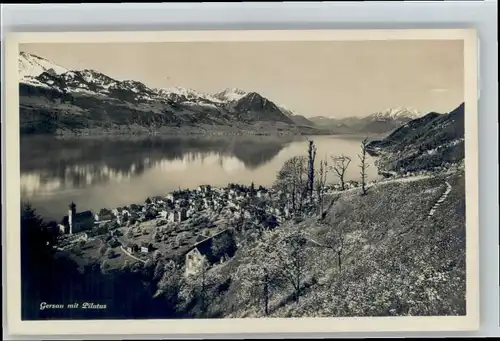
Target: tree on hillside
<point>252,189</point>
<point>335,240</point>
<point>271,222</point>
<point>157,255</point>
<point>224,245</point>
<point>125,218</point>
<point>293,257</point>
<point>259,275</point>
<point>102,250</point>
<point>148,269</point>
<point>130,233</point>
<point>148,201</point>
<point>105,212</point>
<point>131,221</point>
<point>292,181</point>
<point>110,253</point>
<point>311,157</point>
<point>137,267</point>
<point>169,285</point>
<point>126,265</point>
<point>35,258</point>
<point>320,184</point>
<point>105,267</point>
<point>159,271</point>
<point>339,167</point>
<point>363,165</point>
<point>195,288</point>
<point>151,214</point>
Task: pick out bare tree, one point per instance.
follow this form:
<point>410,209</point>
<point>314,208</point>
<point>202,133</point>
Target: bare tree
<point>259,277</point>
<point>363,165</point>
<point>202,273</point>
<point>311,157</point>
<point>292,181</point>
<point>320,184</point>
<point>339,167</point>
<point>335,240</point>
<point>130,233</point>
<point>293,258</point>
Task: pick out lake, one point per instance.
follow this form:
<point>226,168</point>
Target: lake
<point>112,172</point>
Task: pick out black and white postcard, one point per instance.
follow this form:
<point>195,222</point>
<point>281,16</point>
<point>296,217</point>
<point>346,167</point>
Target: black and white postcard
<point>236,181</point>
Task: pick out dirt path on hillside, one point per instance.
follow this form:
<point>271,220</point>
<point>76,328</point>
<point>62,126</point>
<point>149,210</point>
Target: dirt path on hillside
<point>440,200</point>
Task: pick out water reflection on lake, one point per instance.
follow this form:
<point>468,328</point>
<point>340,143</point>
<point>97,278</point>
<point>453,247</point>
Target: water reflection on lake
<point>97,173</point>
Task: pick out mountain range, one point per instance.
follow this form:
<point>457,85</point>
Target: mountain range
<point>428,142</point>
<point>380,122</point>
<point>56,100</point>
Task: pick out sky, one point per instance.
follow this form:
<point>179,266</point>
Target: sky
<point>332,79</point>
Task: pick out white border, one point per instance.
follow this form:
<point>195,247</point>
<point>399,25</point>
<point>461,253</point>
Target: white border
<point>261,325</point>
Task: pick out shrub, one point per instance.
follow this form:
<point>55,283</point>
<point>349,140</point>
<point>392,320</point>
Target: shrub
<point>102,249</point>
<point>105,267</point>
<point>110,253</point>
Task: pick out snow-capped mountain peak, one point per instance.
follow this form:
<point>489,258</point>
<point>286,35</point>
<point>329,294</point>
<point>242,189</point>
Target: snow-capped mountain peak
<point>185,94</point>
<point>31,66</point>
<point>230,94</point>
<point>396,113</point>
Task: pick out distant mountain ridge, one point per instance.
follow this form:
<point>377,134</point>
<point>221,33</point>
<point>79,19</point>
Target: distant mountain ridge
<point>57,100</point>
<point>428,142</point>
<point>377,123</point>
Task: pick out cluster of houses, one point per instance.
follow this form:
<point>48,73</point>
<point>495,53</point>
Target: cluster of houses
<point>177,207</point>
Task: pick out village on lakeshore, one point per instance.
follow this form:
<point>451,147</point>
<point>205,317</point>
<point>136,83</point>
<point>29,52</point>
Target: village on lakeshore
<point>244,180</point>
<point>177,226</point>
<point>183,225</point>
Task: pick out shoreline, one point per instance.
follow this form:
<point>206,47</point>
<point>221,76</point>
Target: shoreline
<point>175,133</point>
<point>330,188</point>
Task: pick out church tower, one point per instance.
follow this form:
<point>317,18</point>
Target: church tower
<point>71,216</point>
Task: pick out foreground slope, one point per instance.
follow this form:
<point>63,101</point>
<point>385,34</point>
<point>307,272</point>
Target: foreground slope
<point>395,260</point>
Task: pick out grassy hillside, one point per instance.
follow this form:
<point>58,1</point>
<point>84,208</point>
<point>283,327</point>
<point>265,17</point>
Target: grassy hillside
<point>395,260</point>
<point>433,141</point>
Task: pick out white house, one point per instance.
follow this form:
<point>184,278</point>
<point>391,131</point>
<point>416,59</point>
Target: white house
<point>171,217</point>
<point>62,229</point>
